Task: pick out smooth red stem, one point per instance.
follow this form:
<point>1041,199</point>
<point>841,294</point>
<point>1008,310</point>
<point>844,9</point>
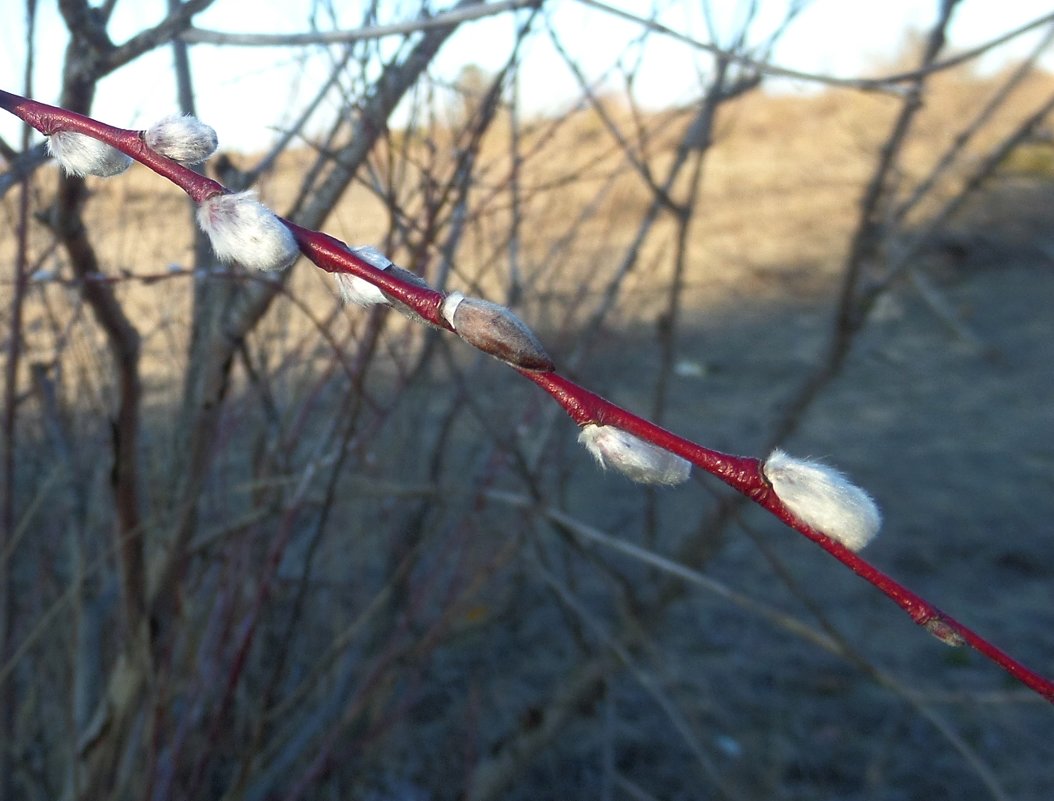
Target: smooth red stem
<point>743,473</point>
<point>332,255</point>
<point>50,120</point>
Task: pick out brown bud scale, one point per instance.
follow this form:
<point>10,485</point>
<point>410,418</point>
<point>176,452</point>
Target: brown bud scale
<point>942,631</point>
<point>497,331</point>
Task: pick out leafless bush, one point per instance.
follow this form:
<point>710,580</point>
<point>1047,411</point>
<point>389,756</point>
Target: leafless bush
<point>259,545</point>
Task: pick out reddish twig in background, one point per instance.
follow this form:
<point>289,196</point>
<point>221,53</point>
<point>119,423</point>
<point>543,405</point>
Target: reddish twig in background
<point>744,474</point>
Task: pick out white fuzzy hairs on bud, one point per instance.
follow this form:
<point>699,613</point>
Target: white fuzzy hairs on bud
<point>824,499</point>
<point>242,229</point>
<point>633,457</point>
<point>80,154</point>
<point>181,138</point>
<point>358,290</point>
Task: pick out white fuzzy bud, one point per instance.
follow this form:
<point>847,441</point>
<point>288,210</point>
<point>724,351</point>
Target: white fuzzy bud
<point>633,457</point>
<point>80,154</point>
<point>181,138</point>
<point>358,290</point>
<point>824,499</point>
<point>242,229</point>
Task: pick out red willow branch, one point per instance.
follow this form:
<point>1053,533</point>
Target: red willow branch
<point>494,330</point>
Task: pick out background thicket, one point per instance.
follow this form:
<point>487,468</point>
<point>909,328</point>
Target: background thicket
<point>259,546</point>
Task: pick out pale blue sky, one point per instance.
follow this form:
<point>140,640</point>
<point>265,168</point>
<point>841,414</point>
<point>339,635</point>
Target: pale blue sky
<point>242,92</point>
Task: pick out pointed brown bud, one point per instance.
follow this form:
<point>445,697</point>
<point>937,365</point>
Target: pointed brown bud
<point>495,330</point>
<point>942,631</point>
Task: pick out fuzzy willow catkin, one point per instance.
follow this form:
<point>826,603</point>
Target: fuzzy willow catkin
<point>182,138</point>
<point>633,457</point>
<point>824,499</point>
<point>80,154</point>
<point>244,230</point>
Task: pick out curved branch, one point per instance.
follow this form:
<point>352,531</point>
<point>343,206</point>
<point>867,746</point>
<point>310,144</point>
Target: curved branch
<point>886,83</point>
<point>424,23</point>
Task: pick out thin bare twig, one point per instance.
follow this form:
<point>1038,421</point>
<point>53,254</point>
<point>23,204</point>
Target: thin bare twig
<point>459,15</point>
<point>886,83</point>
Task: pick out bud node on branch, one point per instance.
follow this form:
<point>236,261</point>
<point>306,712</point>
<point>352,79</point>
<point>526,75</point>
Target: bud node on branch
<point>940,629</point>
<point>495,330</point>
